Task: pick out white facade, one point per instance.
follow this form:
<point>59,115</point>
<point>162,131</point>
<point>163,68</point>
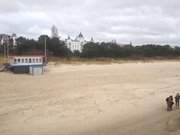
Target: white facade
<point>76,44</point>
<point>25,60</point>
<point>8,40</point>
<point>36,70</point>
<point>14,39</point>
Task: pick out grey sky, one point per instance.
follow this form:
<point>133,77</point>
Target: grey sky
<point>139,21</point>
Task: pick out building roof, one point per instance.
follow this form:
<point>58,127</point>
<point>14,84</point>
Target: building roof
<point>26,56</point>
<point>69,37</point>
<point>80,35</point>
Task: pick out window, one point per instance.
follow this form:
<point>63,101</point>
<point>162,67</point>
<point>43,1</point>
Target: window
<point>30,60</point>
<point>40,60</point>
<point>19,60</point>
<point>36,60</point>
<point>22,60</point>
<point>26,60</point>
<point>33,60</point>
<point>15,61</point>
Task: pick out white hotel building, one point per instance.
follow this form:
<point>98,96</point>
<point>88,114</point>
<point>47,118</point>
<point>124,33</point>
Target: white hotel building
<point>76,44</point>
<point>73,44</point>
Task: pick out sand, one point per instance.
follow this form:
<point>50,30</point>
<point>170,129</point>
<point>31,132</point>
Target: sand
<point>115,99</point>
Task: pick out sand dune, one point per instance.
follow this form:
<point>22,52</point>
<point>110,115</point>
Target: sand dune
<point>116,99</point>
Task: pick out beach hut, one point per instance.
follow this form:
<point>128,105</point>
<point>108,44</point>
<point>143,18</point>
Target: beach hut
<point>32,64</point>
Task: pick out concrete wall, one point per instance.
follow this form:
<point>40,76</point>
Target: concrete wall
<point>36,70</point>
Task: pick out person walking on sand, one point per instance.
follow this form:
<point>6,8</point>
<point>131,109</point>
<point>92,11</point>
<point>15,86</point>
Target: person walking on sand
<point>177,98</point>
<point>169,102</point>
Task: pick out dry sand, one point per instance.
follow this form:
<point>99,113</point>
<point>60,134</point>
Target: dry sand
<point>116,99</point>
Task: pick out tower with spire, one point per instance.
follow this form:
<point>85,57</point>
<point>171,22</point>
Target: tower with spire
<point>54,32</point>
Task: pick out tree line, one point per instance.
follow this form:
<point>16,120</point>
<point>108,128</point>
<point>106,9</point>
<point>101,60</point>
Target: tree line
<point>56,47</point>
<point>112,50</point>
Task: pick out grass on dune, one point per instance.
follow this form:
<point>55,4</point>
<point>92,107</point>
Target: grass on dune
<point>2,60</point>
<point>74,60</point>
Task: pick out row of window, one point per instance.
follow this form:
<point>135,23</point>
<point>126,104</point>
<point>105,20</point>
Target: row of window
<point>27,60</point>
<point>74,46</point>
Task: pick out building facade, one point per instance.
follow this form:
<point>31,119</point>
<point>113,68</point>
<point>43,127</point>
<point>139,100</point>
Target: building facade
<point>76,44</point>
<point>27,64</point>
<point>8,40</point>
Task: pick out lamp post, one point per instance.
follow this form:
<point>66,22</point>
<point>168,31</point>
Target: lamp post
<point>7,50</point>
<point>45,51</point>
<point>4,53</point>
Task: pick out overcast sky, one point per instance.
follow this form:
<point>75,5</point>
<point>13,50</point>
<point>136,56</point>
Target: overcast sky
<point>138,21</point>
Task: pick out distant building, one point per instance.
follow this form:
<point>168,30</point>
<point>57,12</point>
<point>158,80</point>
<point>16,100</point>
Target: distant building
<point>125,44</point>
<point>92,39</point>
<point>114,41</point>
<point>14,37</point>
<point>8,40</point>
<point>72,44</point>
<point>54,32</point>
<point>76,44</point>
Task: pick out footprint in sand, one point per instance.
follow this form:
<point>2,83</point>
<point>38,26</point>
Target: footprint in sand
<point>173,124</point>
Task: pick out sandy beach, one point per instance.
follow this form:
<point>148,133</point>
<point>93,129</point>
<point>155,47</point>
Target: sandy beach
<point>114,99</point>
